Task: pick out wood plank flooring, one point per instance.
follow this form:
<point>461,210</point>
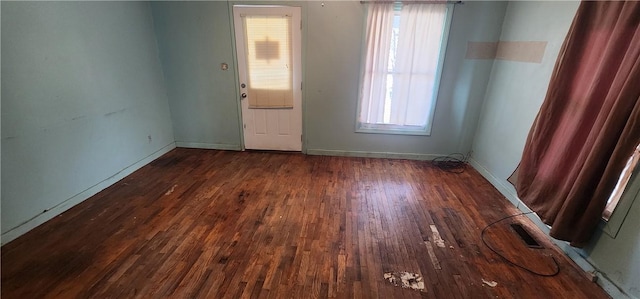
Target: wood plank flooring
<point>217,224</point>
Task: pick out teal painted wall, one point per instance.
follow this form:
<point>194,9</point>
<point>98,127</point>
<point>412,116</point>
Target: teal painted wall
<point>83,98</point>
<point>194,38</point>
<point>333,72</point>
<point>517,89</point>
<point>618,258</point>
<point>514,95</point>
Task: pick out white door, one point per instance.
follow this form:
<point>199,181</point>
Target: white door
<point>268,40</point>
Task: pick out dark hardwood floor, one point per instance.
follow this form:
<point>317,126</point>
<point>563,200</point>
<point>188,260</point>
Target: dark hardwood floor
<point>216,224</point>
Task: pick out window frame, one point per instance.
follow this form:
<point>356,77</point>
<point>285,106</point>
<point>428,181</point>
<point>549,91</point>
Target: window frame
<point>404,129</point>
<point>630,194</point>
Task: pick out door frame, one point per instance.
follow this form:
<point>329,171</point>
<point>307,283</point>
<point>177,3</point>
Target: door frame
<point>303,52</point>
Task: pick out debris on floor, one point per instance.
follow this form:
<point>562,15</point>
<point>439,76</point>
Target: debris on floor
<point>436,236</point>
<point>432,256</point>
<point>405,280</point>
<point>491,283</point>
<point>171,190</point>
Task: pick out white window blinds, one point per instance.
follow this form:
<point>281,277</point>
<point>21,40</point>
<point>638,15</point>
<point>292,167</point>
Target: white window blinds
<point>269,60</point>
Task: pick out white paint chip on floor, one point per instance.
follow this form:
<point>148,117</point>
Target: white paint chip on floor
<point>171,190</point>
<point>405,280</point>
<point>436,236</point>
<point>491,283</point>
<point>432,256</point>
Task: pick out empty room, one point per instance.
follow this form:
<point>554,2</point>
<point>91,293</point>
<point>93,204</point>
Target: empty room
<point>320,149</point>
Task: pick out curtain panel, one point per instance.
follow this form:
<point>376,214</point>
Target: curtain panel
<point>416,63</point>
<point>588,124</point>
<point>378,43</point>
<point>400,69</point>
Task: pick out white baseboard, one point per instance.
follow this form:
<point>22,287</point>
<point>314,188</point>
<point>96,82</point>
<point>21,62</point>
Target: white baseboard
<point>82,196</point>
<point>571,252</point>
<point>216,146</point>
<point>363,154</point>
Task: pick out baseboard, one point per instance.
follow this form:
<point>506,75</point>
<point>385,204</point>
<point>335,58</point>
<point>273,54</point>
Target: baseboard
<point>571,252</point>
<point>611,289</point>
<point>363,154</point>
<point>82,196</point>
<point>216,146</point>
<point>505,189</point>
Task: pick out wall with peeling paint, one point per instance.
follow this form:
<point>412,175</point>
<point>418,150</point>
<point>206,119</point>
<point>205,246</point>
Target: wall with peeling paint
<point>514,95</point>
<point>195,37</point>
<point>83,103</point>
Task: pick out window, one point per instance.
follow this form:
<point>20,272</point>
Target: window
<point>626,192</point>
<point>269,60</point>
<point>405,47</point>
<point>621,186</point>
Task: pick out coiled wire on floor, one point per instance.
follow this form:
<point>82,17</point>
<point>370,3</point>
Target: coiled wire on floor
<point>455,162</point>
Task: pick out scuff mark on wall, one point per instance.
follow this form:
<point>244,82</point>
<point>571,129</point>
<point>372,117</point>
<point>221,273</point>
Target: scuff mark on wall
<point>115,112</point>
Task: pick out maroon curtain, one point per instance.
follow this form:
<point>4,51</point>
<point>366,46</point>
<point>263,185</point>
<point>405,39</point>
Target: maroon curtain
<point>589,122</point>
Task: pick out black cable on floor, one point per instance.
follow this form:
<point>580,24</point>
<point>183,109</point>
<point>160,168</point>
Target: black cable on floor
<point>455,163</point>
<point>556,272</point>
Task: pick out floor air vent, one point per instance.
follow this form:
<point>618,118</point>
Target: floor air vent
<point>525,236</point>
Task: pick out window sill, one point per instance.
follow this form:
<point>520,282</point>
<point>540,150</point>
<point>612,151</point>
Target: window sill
<point>392,130</point>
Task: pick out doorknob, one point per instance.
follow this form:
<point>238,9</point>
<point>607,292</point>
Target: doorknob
<point>243,95</point>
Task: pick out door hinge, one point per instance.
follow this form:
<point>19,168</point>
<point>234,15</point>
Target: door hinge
<point>300,85</point>
<point>244,126</point>
<point>301,138</point>
<point>300,24</point>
